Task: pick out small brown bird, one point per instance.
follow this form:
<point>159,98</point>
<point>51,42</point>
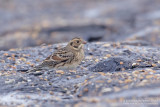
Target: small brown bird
<point>68,57</point>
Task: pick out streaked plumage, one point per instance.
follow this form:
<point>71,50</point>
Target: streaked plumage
<point>68,57</point>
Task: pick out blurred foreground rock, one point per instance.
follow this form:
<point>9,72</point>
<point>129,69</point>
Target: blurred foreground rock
<point>113,74</point>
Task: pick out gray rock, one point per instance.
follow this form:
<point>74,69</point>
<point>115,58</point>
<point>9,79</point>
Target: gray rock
<point>112,64</point>
<point>110,71</point>
<point>104,20</point>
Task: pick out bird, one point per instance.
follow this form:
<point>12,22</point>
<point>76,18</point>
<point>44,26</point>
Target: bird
<point>66,58</point>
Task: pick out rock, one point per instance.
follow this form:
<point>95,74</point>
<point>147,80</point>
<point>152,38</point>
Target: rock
<point>9,81</point>
<point>112,64</point>
<point>149,35</point>
<point>128,69</point>
<point>21,27</point>
<point>121,72</point>
<point>52,35</point>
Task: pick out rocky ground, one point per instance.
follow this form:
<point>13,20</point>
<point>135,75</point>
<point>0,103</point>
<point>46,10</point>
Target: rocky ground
<point>113,74</point>
<point>122,63</point>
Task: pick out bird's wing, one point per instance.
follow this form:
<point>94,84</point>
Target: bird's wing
<point>60,55</point>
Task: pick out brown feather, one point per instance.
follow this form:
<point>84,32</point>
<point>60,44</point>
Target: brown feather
<point>56,58</point>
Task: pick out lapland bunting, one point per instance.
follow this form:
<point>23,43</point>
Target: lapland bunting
<point>68,57</point>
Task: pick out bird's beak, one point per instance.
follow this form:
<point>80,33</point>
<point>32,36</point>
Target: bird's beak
<point>84,42</point>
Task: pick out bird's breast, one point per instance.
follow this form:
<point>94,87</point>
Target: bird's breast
<point>79,56</point>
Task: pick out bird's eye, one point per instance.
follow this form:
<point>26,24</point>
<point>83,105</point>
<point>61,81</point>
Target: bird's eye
<point>77,41</point>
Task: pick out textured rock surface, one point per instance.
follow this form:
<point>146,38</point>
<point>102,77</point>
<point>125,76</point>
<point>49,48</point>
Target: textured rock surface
<point>113,74</point>
<point>125,71</point>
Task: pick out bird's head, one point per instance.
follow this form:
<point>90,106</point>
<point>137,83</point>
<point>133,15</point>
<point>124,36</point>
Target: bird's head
<point>76,44</point>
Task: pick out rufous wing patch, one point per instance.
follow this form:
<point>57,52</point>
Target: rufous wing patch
<point>56,58</point>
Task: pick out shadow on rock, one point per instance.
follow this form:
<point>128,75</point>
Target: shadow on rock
<point>112,64</point>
